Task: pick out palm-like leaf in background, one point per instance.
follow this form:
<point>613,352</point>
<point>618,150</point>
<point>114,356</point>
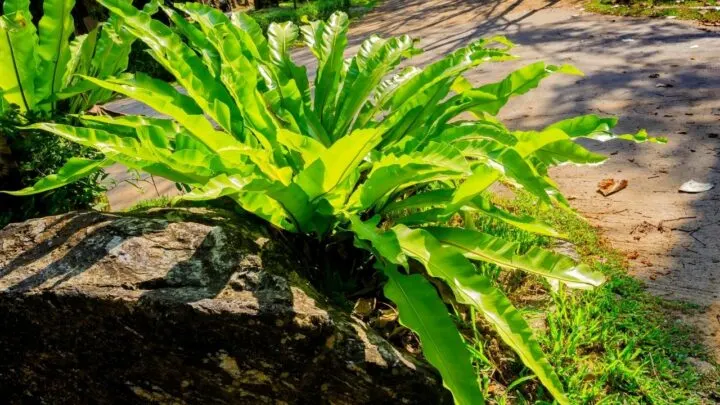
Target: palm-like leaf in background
<point>17,60</point>
<point>39,66</point>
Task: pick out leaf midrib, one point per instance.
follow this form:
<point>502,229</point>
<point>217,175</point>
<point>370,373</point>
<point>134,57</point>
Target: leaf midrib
<point>15,68</point>
<point>445,365</point>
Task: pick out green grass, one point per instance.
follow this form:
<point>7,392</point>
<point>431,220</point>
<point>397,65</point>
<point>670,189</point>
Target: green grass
<point>614,345</point>
<point>144,205</point>
<point>660,8</point>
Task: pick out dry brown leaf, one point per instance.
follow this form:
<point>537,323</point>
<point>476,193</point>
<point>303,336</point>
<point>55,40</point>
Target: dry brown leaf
<point>608,187</point>
<point>364,307</point>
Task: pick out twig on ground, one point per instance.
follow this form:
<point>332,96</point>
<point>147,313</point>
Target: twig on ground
<point>660,224</point>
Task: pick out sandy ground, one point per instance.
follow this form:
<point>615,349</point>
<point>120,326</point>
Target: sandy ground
<point>661,75</point>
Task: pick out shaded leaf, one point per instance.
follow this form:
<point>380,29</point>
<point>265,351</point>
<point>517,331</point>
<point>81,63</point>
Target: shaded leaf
<point>422,311</point>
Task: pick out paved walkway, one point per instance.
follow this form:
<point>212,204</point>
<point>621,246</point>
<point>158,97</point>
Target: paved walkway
<point>661,75</point>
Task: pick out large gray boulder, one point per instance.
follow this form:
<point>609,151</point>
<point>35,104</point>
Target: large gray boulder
<point>179,308</point>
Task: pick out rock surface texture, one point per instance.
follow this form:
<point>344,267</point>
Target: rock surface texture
<point>178,308</point>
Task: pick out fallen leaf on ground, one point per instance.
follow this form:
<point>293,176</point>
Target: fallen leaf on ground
<point>386,317</point>
<point>364,307</point>
<point>608,187</point>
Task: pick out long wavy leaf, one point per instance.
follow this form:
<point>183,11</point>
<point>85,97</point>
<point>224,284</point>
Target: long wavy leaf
<point>516,83</point>
<point>472,288</point>
<point>422,311</point>
<point>73,170</point>
<point>141,153</point>
<point>165,99</point>
<point>54,30</point>
<point>449,67</point>
<point>238,72</point>
<point>293,85</point>
<point>565,151</point>
<point>197,40</point>
<point>172,53</point>
<point>368,75</point>
<point>600,129</point>
<point>328,43</point>
<point>524,222</point>
<point>476,245</point>
<point>17,60</point>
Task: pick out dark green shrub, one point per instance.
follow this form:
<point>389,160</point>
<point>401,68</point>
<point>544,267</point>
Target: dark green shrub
<point>325,8</point>
<point>319,9</point>
<point>28,155</point>
<point>265,17</point>
<point>141,61</point>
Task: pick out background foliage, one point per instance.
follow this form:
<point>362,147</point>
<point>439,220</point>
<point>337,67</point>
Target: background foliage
<point>312,10</point>
<point>44,47</point>
<point>35,154</point>
<point>704,11</point>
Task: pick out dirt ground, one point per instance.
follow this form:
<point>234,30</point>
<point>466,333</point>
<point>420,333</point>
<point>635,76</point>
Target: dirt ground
<point>662,75</point>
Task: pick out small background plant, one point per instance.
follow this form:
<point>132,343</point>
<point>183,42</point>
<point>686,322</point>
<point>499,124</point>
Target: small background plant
<point>40,58</point>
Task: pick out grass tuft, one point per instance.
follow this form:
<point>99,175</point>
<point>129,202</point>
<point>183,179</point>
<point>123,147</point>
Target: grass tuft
<point>706,12</point>
<point>614,345</point>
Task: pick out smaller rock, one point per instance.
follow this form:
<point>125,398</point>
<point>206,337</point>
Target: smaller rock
<point>702,367</point>
<point>568,249</point>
